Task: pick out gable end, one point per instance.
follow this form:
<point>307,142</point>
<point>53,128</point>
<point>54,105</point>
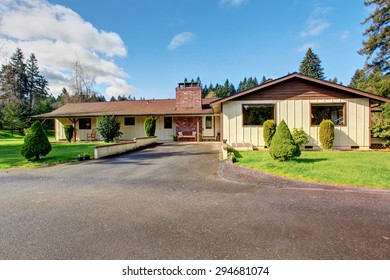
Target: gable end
<point>297,89</point>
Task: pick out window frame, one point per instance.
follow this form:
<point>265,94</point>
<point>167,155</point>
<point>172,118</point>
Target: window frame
<point>165,123</point>
<point>344,104</point>
<point>133,122</point>
<point>273,105</point>
<point>211,123</point>
<point>85,126</point>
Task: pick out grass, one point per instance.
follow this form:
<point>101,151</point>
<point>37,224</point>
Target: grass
<point>349,168</point>
<point>61,152</point>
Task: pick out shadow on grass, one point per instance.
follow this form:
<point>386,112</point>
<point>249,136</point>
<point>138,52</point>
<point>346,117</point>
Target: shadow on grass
<point>309,160</point>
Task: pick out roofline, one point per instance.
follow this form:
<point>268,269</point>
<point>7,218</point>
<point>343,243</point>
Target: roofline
<point>303,77</point>
<point>48,116</point>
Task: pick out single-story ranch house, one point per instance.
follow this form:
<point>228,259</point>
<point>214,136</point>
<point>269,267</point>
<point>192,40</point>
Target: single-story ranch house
<point>303,102</point>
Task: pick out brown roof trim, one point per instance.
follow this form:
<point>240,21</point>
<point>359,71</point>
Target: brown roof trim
<point>302,77</point>
<point>78,115</point>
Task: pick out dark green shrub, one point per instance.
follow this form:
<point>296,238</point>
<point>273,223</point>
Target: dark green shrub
<point>68,129</point>
<point>150,126</point>
<point>283,146</point>
<point>36,143</point>
<point>269,128</point>
<point>108,128</point>
<point>300,137</point>
<point>327,134</point>
<point>381,124</point>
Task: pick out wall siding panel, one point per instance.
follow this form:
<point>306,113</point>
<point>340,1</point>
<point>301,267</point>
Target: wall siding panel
<point>296,113</point>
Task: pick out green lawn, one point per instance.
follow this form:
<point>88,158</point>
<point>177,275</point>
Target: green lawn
<point>61,152</point>
<point>354,168</point>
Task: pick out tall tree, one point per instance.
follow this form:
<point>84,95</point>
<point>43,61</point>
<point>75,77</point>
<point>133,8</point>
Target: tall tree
<point>377,45</point>
<point>373,81</point>
<point>10,118</point>
<point>37,85</point>
<point>311,66</point>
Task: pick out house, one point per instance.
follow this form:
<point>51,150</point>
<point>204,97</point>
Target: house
<point>303,102</point>
<point>189,113</point>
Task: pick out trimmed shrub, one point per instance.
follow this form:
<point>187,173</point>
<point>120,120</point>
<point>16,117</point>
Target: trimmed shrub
<point>108,128</point>
<point>150,126</point>
<point>68,129</point>
<point>36,143</point>
<point>300,137</point>
<point>326,134</point>
<point>283,146</point>
<point>269,128</point>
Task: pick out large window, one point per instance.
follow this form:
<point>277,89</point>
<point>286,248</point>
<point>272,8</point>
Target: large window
<point>129,121</point>
<point>85,123</point>
<point>167,122</point>
<point>333,112</point>
<point>257,114</point>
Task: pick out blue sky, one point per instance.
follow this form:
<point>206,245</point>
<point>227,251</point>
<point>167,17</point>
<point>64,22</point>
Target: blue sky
<point>145,47</point>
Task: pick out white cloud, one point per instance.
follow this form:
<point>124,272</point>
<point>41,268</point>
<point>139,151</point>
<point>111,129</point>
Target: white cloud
<point>316,22</point>
<point>180,40</point>
<point>232,3</point>
<point>305,47</point>
<point>344,35</point>
<point>56,35</point>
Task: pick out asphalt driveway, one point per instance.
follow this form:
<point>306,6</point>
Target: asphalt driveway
<point>177,202</point>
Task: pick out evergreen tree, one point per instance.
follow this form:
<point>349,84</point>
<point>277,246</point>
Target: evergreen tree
<point>108,128</point>
<point>283,146</point>
<point>378,36</point>
<point>150,126</point>
<point>112,98</point>
<point>37,85</point>
<point>311,66</point>
<point>371,80</point>
<point>11,117</point>
<point>18,70</point>
<point>36,143</point>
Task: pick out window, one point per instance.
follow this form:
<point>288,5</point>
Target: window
<point>167,122</point>
<point>84,123</point>
<point>129,121</point>
<point>257,114</point>
<point>333,112</point>
<point>209,122</point>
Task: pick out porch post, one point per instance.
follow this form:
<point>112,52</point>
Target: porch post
<point>197,130</point>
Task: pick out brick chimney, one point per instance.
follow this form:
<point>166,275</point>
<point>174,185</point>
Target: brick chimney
<point>189,96</point>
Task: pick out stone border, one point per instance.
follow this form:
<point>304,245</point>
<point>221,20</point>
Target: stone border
<point>113,149</point>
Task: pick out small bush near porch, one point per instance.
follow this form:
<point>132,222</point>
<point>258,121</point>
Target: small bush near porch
<point>351,168</point>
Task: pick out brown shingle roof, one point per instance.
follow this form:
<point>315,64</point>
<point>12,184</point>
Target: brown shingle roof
<point>158,107</point>
<point>305,78</point>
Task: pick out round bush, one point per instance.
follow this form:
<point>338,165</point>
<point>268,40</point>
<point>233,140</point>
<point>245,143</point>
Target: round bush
<point>150,126</point>
<point>269,128</point>
<point>327,134</point>
<point>108,128</point>
<point>36,143</point>
<point>283,146</point>
<point>299,137</point>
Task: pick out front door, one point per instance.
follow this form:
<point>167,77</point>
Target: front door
<point>208,126</point>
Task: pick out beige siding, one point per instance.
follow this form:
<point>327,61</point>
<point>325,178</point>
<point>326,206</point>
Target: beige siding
<point>129,132</point>
<point>296,113</point>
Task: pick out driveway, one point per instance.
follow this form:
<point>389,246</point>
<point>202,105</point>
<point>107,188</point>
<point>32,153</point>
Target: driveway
<point>175,201</point>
